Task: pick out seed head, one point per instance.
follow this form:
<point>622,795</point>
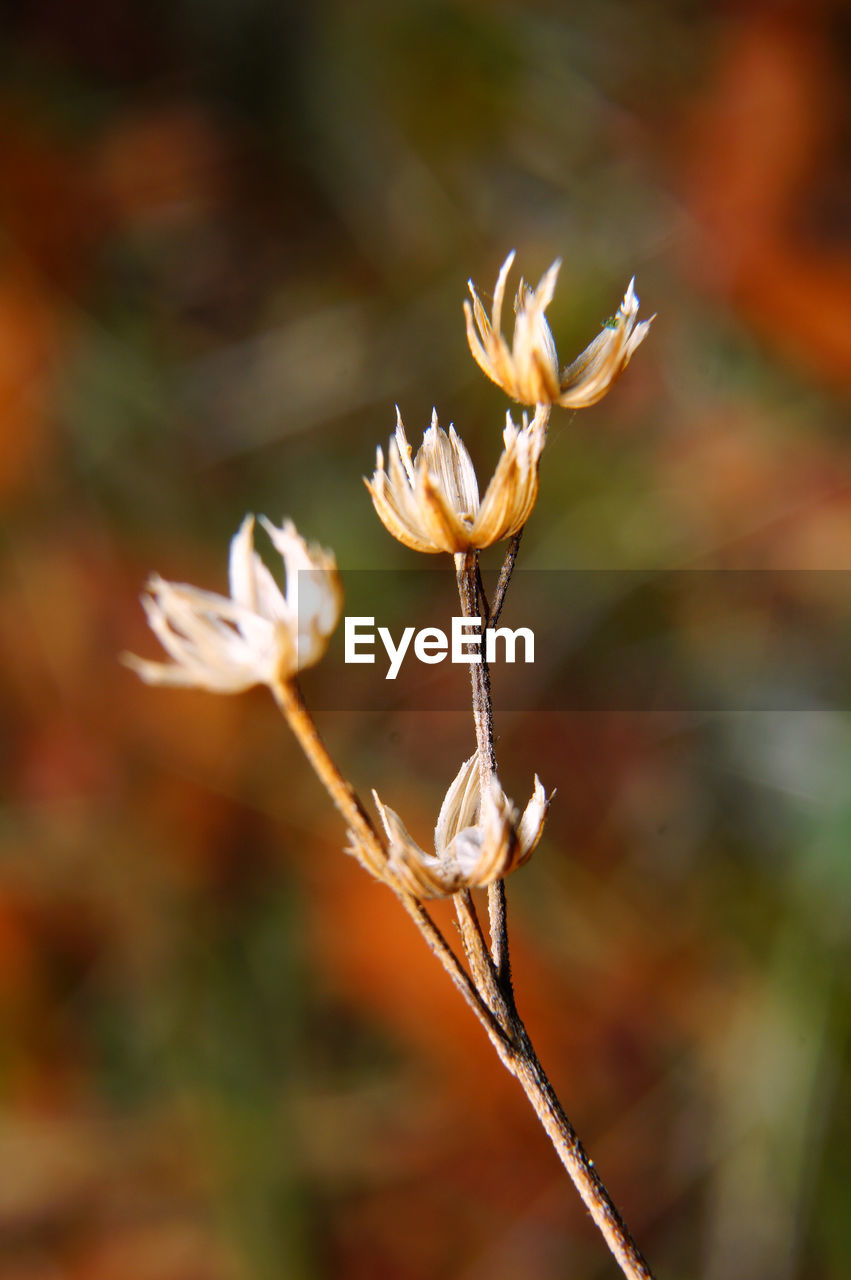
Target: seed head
<point>431,503</point>
<point>477,840</point>
<point>258,634</point>
<point>528,371</point>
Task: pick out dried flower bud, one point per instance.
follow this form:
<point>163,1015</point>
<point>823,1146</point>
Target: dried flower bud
<point>257,635</point>
<point>432,503</point>
<point>528,371</point>
<point>476,840</point>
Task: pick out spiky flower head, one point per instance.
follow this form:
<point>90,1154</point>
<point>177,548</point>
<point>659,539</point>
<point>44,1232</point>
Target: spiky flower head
<point>528,370</point>
<point>478,839</point>
<point>258,634</point>
<point>431,502</point>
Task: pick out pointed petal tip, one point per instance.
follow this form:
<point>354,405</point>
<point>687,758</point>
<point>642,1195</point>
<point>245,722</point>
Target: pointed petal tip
<point>550,277</point>
<point>540,794</point>
<point>148,672</point>
<point>382,812</point>
<point>284,535</point>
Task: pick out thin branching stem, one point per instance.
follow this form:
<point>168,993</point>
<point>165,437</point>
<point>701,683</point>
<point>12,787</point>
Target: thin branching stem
<point>467,573</point>
<point>478,958</point>
<point>523,1063</point>
<point>288,696</point>
<point>504,578</point>
<point>518,1055</point>
<point>488,991</point>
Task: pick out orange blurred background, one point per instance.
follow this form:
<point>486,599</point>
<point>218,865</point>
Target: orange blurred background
<point>231,237</point>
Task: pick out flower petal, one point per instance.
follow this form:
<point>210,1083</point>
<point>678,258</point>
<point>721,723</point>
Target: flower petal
<point>602,362</point>
<point>531,825</point>
<point>254,636</point>
<point>513,490</point>
<point>460,804</point>
<point>528,371</point>
<point>314,595</point>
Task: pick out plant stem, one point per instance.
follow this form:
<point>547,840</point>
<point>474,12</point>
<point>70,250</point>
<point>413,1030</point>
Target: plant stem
<point>468,592</point>
<point>467,576</point>
<point>488,992</point>
<point>288,696</point>
<point>518,1055</point>
<point>478,958</point>
<point>505,577</point>
<point>523,1063</point>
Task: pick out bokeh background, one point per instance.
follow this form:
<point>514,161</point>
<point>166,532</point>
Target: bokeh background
<point>231,236</point>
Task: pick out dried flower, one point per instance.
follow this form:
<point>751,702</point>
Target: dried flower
<point>257,635</point>
<point>476,841</point>
<point>432,503</point>
<point>529,370</point>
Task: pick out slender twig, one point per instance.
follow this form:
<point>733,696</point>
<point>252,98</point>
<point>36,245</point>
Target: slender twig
<point>475,604</point>
<point>488,992</point>
<point>518,1054</point>
<point>479,960</point>
<point>288,696</point>
<point>482,599</point>
<point>523,1063</point>
<point>447,957</point>
<point>504,577</point>
<point>467,575</point>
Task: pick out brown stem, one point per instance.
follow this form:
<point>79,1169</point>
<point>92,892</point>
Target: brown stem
<point>467,576</point>
<point>519,1056</point>
<point>522,1062</point>
<point>505,577</point>
<point>489,997</point>
<point>288,696</point>
<point>468,592</point>
<point>479,960</point>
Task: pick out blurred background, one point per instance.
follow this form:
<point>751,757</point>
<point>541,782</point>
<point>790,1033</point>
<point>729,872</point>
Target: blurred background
<point>232,235</point>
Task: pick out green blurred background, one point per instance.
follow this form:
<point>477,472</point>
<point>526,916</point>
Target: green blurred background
<point>232,235</point>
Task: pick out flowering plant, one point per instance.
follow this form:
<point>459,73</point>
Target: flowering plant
<point>431,503</point>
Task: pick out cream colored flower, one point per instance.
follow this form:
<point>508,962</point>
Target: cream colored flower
<point>432,503</point>
<point>257,635</point>
<point>528,371</point>
<point>475,841</point>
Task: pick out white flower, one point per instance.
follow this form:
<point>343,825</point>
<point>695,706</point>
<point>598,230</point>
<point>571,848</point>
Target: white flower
<point>476,841</point>
<point>528,371</point>
<point>432,503</point>
<point>257,635</point>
